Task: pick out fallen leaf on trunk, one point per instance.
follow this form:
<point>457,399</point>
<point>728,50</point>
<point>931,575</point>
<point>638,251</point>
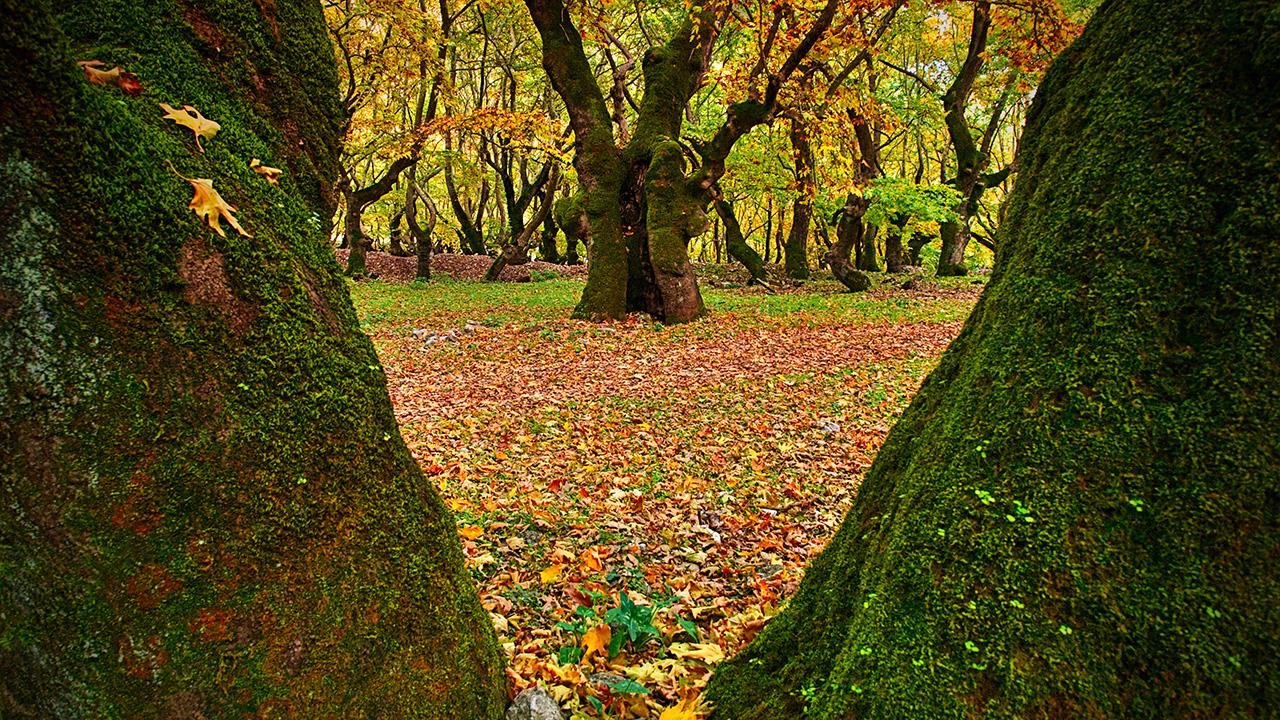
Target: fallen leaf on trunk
<point>270,174</point>
<point>93,70</point>
<point>211,208</point>
<point>190,118</point>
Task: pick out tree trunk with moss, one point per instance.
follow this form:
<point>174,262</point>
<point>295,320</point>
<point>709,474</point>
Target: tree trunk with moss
<point>850,230</point>
<point>796,250</point>
<point>572,219</point>
<point>642,202</point>
<point>1077,516</point>
<point>209,511</point>
<point>736,243</point>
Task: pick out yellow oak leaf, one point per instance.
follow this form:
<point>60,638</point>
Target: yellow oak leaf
<point>686,709</point>
<point>552,574</point>
<point>270,174</point>
<point>707,652</point>
<point>93,70</point>
<point>471,533</point>
<point>189,117</point>
<point>596,640</point>
<point>211,208</point>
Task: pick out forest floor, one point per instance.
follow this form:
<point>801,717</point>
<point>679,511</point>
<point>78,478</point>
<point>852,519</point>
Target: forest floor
<point>636,501</point>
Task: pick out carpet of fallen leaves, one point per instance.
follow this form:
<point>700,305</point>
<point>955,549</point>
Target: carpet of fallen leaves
<point>636,501</point>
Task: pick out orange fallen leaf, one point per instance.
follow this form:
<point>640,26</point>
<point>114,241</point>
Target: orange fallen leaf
<point>211,208</point>
<point>471,533</point>
<point>552,574</point>
<point>190,118</point>
<point>270,174</point>
<point>596,640</point>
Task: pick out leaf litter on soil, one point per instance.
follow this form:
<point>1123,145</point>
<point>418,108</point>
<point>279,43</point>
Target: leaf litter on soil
<point>635,502</point>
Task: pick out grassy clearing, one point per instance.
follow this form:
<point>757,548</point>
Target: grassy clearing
<point>690,470</point>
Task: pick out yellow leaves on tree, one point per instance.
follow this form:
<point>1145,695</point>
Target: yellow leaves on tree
<point>211,208</point>
<point>189,117</point>
<point>596,640</point>
<point>270,174</point>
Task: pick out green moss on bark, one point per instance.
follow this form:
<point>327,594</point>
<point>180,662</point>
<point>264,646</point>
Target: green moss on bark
<point>1077,516</point>
<point>206,515</point>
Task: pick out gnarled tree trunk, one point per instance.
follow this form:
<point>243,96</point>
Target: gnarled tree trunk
<point>208,509</point>
<point>1077,516</point>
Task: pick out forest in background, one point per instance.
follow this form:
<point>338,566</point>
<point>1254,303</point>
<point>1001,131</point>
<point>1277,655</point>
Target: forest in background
<point>890,142</point>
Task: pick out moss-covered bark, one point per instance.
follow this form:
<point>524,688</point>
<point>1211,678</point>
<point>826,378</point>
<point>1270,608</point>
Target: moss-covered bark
<point>208,508</point>
<point>1078,514</point>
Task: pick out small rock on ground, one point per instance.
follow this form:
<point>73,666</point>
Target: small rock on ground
<point>534,704</point>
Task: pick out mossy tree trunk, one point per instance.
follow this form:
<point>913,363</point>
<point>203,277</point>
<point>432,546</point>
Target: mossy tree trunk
<point>356,200</point>
<point>642,204</point>
<point>571,216</point>
<point>209,511</point>
<point>1078,514</point>
<point>547,248</point>
<point>736,243</point>
<point>796,250</point>
<point>849,235</point>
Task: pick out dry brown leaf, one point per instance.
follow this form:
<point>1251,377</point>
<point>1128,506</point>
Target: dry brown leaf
<point>93,70</point>
<point>190,118</point>
<point>211,208</point>
<point>270,174</point>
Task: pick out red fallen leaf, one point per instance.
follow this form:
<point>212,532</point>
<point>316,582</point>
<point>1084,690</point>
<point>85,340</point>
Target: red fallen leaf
<point>129,83</point>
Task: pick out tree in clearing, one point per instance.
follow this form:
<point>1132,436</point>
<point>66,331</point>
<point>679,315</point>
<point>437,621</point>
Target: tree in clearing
<point>1077,516</point>
<point>209,511</point>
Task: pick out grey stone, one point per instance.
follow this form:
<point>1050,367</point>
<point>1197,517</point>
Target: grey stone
<point>534,704</point>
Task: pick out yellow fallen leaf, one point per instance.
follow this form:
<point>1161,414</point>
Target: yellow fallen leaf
<point>596,640</point>
<point>471,532</point>
<point>93,70</point>
<point>552,574</point>
<point>707,652</point>
<point>268,173</point>
<point>686,709</point>
<point>191,118</point>
<point>211,208</point>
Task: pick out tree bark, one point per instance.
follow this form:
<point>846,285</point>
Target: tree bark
<point>208,508</point>
<point>1077,515</point>
<point>421,234</point>
<point>867,260</point>
<point>357,201</point>
<point>737,245</point>
<point>640,234</point>
<point>796,250</point>
<point>849,236</point>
